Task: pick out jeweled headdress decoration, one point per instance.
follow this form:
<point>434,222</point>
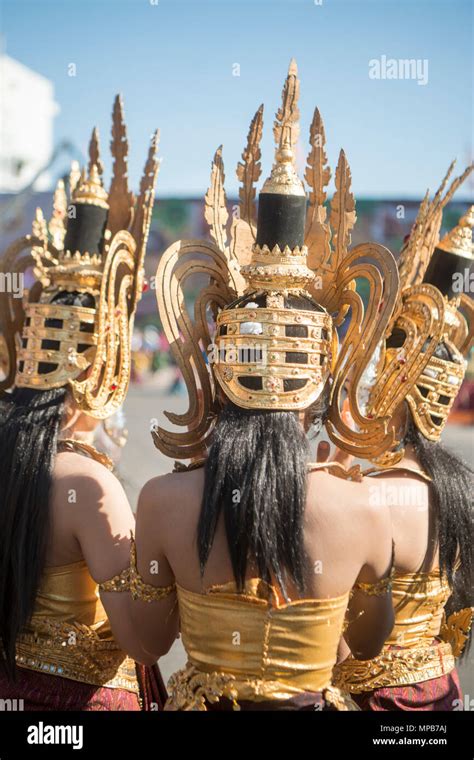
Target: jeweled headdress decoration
<point>94,245</point>
<point>428,313</point>
<point>273,292</point>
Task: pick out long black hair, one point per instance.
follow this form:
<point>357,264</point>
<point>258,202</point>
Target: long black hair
<point>256,476</point>
<point>30,421</point>
<point>451,488</point>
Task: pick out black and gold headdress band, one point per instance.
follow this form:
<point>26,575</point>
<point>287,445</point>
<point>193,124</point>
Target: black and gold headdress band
<point>94,244</point>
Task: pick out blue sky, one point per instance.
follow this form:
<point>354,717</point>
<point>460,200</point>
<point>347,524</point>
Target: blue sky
<point>173,62</point>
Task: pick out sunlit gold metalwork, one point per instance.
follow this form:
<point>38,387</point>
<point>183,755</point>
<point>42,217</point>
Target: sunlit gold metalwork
<point>427,318</point>
<point>455,629</point>
<point>274,346</point>
<point>286,129</point>
<point>459,239</point>
<point>114,279</point>
<point>324,269</point>
<point>418,249</point>
<point>90,189</point>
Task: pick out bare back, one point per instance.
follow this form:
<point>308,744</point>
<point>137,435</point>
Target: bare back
<point>410,500</point>
<point>337,534</point>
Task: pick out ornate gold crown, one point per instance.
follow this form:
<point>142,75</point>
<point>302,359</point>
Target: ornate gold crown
<point>425,317</point>
<point>459,240</point>
<point>274,291</point>
<point>94,245</point>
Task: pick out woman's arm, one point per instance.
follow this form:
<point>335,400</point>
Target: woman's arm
<point>157,621</point>
<point>102,523</point>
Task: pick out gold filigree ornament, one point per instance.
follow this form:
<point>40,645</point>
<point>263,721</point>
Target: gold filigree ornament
<point>191,689</point>
<point>94,245</point>
<point>394,667</point>
<point>455,629</point>
<point>426,315</point>
<point>262,328</point>
<point>131,580</point>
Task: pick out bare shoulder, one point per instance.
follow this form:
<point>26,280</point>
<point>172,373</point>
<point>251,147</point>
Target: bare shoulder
<point>334,498</point>
<point>92,482</point>
<point>343,515</point>
<point>168,495</point>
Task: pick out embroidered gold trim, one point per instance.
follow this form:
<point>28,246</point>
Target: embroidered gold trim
<point>341,700</point>
<point>75,651</point>
<point>120,582</point>
<point>455,630</point>
<point>394,667</point>
<point>81,447</point>
<point>190,689</point>
<point>376,589</point>
<point>131,580</point>
<point>180,467</point>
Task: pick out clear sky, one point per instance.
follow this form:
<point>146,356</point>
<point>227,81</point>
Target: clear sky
<point>173,61</point>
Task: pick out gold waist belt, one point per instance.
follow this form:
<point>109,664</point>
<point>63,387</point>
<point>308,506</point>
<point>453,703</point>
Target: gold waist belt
<point>394,667</point>
<point>191,689</point>
<point>76,651</point>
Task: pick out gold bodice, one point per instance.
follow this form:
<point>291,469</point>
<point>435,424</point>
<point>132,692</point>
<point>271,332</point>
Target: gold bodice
<point>68,593</point>
<point>69,633</point>
<point>409,655</point>
<point>418,600</point>
<point>255,644</point>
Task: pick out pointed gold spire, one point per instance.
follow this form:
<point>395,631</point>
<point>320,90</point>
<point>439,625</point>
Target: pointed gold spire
<point>57,225</point>
<point>94,152</point>
<point>249,169</point>
<point>39,228</point>
<point>284,179</point>
<point>90,190</point>
<point>74,176</point>
<point>459,239</point>
<point>120,197</point>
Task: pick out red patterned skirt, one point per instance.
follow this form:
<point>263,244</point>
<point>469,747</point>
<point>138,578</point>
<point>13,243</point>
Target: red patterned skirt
<point>40,691</point>
<point>438,694</point>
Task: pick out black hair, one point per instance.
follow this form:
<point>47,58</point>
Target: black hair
<point>451,486</point>
<point>256,477</point>
<point>29,425</point>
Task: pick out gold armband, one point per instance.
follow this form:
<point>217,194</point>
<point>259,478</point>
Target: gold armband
<point>131,580</point>
<point>376,589</point>
<point>381,587</point>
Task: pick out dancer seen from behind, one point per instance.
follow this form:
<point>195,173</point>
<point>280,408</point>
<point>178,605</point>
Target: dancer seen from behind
<point>64,518</point>
<point>252,553</point>
<point>415,379</point>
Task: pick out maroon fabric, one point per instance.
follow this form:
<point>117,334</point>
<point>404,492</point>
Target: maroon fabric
<point>436,694</point>
<point>152,688</point>
<point>40,691</point>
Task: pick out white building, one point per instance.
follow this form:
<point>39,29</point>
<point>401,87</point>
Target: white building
<point>27,111</point>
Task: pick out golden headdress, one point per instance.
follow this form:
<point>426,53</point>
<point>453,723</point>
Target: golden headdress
<point>94,245</point>
<point>430,311</point>
<point>274,292</point>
